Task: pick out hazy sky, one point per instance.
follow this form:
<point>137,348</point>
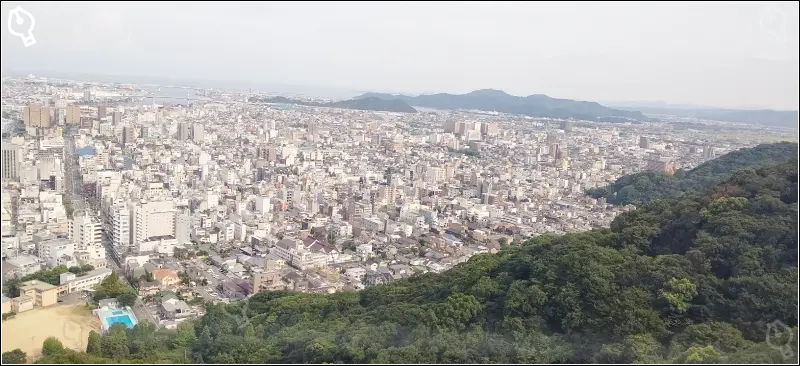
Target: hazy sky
<point>720,54</point>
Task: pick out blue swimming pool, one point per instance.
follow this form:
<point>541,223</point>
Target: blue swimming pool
<point>124,319</point>
<point>110,316</point>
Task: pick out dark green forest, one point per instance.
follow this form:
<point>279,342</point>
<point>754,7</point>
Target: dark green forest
<point>640,188</point>
<point>707,277</point>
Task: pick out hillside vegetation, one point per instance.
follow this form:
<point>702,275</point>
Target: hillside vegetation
<point>640,188</point>
<point>536,105</point>
<point>694,279</point>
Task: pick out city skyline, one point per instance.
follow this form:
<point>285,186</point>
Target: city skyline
<point>725,55</point>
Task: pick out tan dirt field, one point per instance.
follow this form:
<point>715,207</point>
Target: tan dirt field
<point>27,331</point>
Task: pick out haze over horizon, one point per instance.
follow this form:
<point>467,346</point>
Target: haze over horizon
<point>731,55</point>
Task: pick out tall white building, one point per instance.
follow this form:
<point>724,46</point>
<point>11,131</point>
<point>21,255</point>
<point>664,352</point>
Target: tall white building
<point>85,231</point>
<point>198,133</point>
<point>121,228</point>
<point>152,221</point>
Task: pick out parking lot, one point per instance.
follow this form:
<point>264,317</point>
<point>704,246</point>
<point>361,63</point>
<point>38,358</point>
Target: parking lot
<point>75,298</point>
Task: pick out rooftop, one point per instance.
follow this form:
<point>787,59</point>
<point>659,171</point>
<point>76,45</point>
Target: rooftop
<point>35,285</point>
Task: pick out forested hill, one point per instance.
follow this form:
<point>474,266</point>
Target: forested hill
<point>695,279</point>
<point>640,188</point>
<point>536,105</point>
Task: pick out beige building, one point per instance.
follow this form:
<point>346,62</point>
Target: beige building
<point>73,115</point>
<point>36,115</point>
<point>43,294</point>
<point>6,305</point>
<point>21,304</point>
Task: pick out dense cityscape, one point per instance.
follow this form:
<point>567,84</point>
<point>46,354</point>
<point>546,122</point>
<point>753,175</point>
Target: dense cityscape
<point>216,196</point>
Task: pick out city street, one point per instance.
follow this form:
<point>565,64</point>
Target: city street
<point>74,190</point>
<point>73,182</point>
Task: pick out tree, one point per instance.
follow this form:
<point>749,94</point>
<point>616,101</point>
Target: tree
<point>700,355</point>
<point>678,293</point>
<point>14,357</point>
<point>503,243</point>
<point>147,276</point>
<point>224,358</point>
<point>661,274</point>
<point>52,346</point>
<point>115,343</point>
<point>184,277</point>
<point>67,206</point>
<point>184,336</point>
<point>93,345</point>
<point>127,298</point>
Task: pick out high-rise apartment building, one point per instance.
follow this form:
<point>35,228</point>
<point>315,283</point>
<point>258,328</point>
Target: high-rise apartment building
<point>85,231</point>
<point>489,129</point>
<point>153,220</point>
<point>10,160</point>
<point>708,152</point>
<point>37,115</point>
<point>183,131</point>
<point>73,115</point>
<point>644,142</point>
<point>116,118</point>
<point>102,112</point>
<point>198,133</point>
<point>120,228</point>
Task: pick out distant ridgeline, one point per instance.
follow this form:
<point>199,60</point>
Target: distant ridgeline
<point>707,277</point>
<point>536,105</point>
<point>640,188</point>
<point>364,104</point>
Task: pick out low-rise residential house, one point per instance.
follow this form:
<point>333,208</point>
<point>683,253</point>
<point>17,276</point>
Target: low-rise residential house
<point>166,277</point>
<point>149,288</point>
<point>378,278</point>
<point>172,308</point>
<point>356,274</point>
<point>236,289</point>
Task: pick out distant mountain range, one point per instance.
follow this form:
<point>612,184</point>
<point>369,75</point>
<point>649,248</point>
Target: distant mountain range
<point>763,117</point>
<point>363,104</point>
<point>537,105</point>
